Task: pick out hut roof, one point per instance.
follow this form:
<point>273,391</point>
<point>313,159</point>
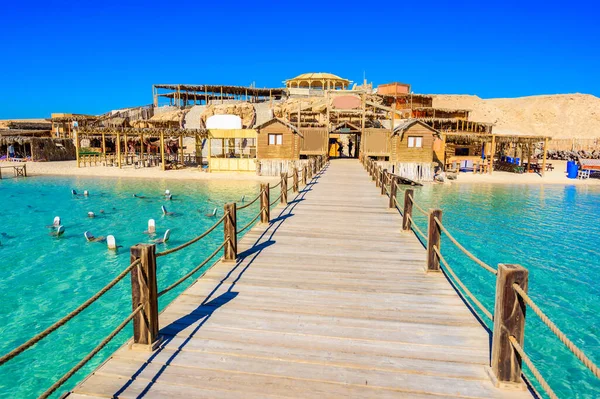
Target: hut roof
<point>25,133</point>
<point>237,90</point>
<point>283,122</point>
<point>352,126</point>
<point>405,125</point>
<point>72,117</point>
<point>441,109</point>
<point>318,76</point>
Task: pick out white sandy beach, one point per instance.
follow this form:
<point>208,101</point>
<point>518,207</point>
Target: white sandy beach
<point>69,168</point>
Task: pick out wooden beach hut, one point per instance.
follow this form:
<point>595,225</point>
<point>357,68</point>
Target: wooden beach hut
<point>232,150</point>
<point>415,149</point>
<point>278,145</point>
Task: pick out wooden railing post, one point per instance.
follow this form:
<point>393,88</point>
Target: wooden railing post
<point>230,232</point>
<point>295,180</point>
<point>433,239</point>
<point>304,175</point>
<point>406,222</point>
<point>309,170</point>
<point>383,181</point>
<point>374,171</point>
<point>314,166</point>
<point>509,320</point>
<point>284,187</point>
<point>144,292</point>
<point>265,209</point>
<point>393,192</point>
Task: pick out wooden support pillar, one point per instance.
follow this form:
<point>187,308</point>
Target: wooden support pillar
<point>284,187</point>
<point>118,148</point>
<point>265,209</point>
<point>309,171</point>
<point>230,232</point>
<point>142,163</point>
<point>528,157</point>
<point>492,153</point>
<point>304,175</point>
<point>406,221</point>
<point>509,320</point>
<point>545,154</point>
<point>181,148</point>
<point>433,240</point>
<point>162,150</point>
<point>393,192</point>
<point>104,147</point>
<point>314,167</point>
<point>76,148</point>
<point>295,180</point>
<point>144,292</point>
<point>383,178</point>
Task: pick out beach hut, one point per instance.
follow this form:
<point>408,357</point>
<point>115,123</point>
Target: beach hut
<point>232,150</point>
<point>278,145</point>
<point>415,149</point>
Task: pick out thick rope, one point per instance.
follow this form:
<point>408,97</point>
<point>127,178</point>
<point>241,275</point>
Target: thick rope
<point>250,223</point>
<point>534,370</point>
<point>423,211</point>
<point>93,353</point>
<point>23,347</point>
<point>416,228</point>
<point>276,200</point>
<point>190,242</point>
<point>239,208</point>
<point>275,186</point>
<point>460,283</point>
<point>464,250</point>
<point>194,270</point>
<point>397,203</point>
<point>561,336</point>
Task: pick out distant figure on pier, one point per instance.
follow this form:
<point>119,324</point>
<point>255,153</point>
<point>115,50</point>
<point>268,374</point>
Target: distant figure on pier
<point>60,230</point>
<point>55,223</point>
<point>11,151</point>
<point>90,238</point>
<point>350,147</point>
<point>164,239</point>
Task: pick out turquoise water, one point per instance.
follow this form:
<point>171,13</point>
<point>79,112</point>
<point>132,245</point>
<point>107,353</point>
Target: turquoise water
<point>553,231</point>
<point>42,278</point>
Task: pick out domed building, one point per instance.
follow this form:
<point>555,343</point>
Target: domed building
<point>318,80</point>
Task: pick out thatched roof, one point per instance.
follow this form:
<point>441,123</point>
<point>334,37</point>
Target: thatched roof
<point>283,122</point>
<point>405,125</point>
<point>233,90</point>
<point>25,133</point>
<point>168,118</point>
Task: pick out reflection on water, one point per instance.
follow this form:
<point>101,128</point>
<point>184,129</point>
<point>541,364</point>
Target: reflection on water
<point>43,278</point>
<point>551,230</point>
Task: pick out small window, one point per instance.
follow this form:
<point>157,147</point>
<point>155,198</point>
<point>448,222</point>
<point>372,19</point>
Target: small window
<point>415,142</point>
<point>275,139</point>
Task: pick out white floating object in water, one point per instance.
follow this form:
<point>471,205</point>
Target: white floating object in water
<point>60,231</point>
<point>73,192</point>
<point>243,198</point>
<point>56,222</point>
<point>164,209</point>
<point>151,226</point>
<point>213,214</point>
<point>91,215</point>
<point>111,242</point>
<point>224,122</point>
<point>86,193</point>
<point>167,192</point>
<point>167,235</point>
<point>88,236</point>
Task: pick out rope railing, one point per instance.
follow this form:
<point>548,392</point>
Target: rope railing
<point>534,370</point>
<point>276,200</point>
<point>90,355</point>
<point>464,250</point>
<point>239,208</point>
<point>423,211</point>
<point>556,331</point>
<point>249,223</point>
<point>194,270</point>
<point>464,287</point>
<point>37,338</point>
<point>416,228</point>
<point>193,240</point>
<point>275,186</point>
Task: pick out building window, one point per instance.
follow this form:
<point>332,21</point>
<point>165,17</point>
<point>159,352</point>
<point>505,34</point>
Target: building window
<point>415,142</point>
<point>275,139</point>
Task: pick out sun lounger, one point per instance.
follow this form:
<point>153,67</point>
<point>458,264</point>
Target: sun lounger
<point>165,238</point>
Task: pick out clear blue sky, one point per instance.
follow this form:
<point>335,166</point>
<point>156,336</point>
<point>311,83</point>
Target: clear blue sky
<point>91,57</point>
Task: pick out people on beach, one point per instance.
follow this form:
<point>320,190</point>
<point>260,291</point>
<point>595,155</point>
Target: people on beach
<point>11,151</point>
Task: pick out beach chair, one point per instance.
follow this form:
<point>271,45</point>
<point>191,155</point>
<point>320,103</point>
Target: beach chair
<point>164,210</point>
<point>212,214</point>
<point>111,243</point>
<point>60,230</point>
<point>151,226</point>
<point>88,236</point>
<point>56,222</point>
<point>165,238</point>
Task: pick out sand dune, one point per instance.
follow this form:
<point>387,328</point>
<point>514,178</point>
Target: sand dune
<point>558,116</point>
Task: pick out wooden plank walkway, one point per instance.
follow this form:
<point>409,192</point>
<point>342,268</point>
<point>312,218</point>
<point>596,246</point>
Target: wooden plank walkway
<point>331,300</point>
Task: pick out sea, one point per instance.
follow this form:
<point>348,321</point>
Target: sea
<point>552,230</point>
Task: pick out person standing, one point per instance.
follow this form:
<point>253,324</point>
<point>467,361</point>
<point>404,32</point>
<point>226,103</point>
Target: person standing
<point>11,151</point>
<point>350,146</point>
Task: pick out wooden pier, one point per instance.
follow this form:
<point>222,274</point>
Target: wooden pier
<point>330,299</point>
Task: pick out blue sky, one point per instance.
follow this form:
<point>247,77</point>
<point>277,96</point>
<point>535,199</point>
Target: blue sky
<point>91,57</point>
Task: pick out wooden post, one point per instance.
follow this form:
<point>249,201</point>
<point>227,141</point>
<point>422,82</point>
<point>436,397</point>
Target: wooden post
<point>304,175</point>
<point>309,170</point>
<point>104,147</point>
<point>373,171</point>
<point>76,147</point>
<point>162,149</point>
<point>230,232</point>
<point>492,153</point>
<point>181,148</point>
<point>314,167</point>
<point>118,150</point>
<point>284,187</point>
<point>144,292</point>
<point>265,209</point>
<point>544,156</point>
<point>433,239</point>
<point>126,149</point>
<point>406,222</point>
<point>383,178</point>
<point>393,192</point>
<point>509,320</point>
<point>142,163</point>
<point>295,180</point>
<point>24,170</point>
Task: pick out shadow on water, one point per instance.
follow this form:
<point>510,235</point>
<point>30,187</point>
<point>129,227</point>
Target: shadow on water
<point>209,306</point>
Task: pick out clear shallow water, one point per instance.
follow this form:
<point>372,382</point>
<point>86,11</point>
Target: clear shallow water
<point>551,230</point>
<point>42,278</point>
